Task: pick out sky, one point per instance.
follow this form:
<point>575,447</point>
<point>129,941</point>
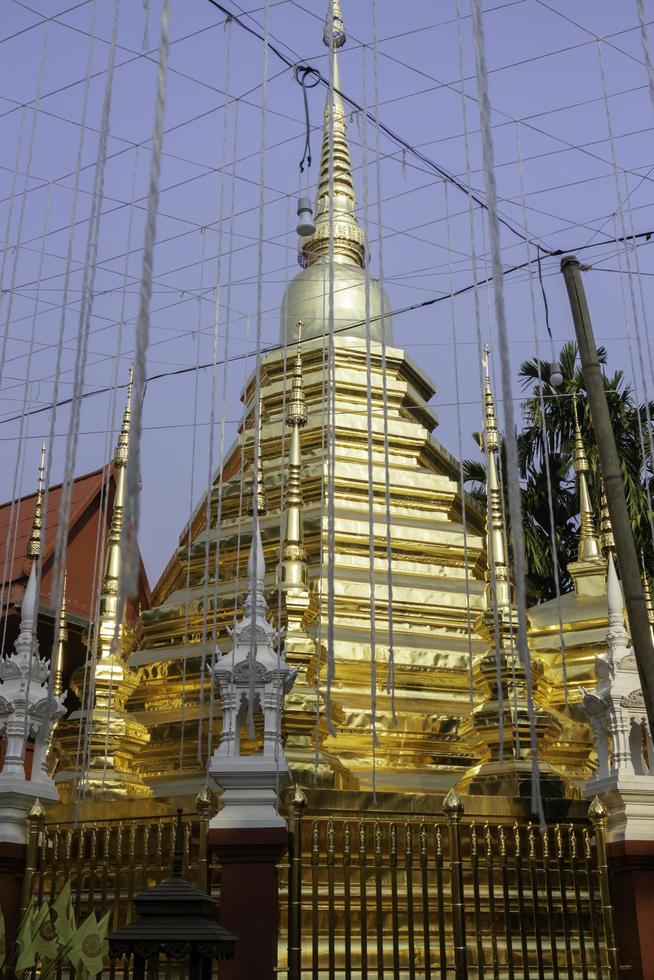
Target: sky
<point>563,79</point>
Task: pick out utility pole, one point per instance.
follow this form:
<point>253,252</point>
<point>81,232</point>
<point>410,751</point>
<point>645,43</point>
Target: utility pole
<point>625,547</point>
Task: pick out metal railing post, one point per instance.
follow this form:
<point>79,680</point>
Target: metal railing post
<point>297,802</point>
<point>205,804</point>
<point>35,825</point>
<point>598,814</point>
<point>453,808</point>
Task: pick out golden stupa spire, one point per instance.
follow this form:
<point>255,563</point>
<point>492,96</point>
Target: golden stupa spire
<point>495,535</point>
<point>336,199</point>
<point>294,567</point>
<point>33,549</point>
<point>588,543</point>
<point>57,683</point>
<point>257,501</point>
<point>109,595</point>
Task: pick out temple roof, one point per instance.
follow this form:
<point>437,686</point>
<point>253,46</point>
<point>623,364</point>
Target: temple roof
<point>86,502</point>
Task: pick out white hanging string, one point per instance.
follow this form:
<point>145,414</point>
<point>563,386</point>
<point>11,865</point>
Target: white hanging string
<point>477,309</point>
<point>323,499</point>
<point>219,513</point>
<point>515,507</point>
<point>541,398</point>
<point>457,397</point>
<point>331,403</point>
<point>21,444</point>
<point>191,502</point>
<point>23,203</point>
<point>627,255</point>
<point>371,471</point>
<point>84,323</point>
<point>630,347</point>
<point>390,685</point>
<point>131,520</point>
<point>640,4</point>
<point>259,328</point>
<point>212,423</point>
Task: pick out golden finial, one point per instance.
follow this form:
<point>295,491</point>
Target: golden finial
<point>607,540</point>
<point>57,683</point>
<point>34,541</point>
<point>336,199</point>
<point>122,446</point>
<point>293,566</point>
<point>334,32</point>
<point>498,569</point>
<point>296,406</point>
<point>588,543</point>
<point>257,501</point>
<point>491,435</point>
<point>109,594</point>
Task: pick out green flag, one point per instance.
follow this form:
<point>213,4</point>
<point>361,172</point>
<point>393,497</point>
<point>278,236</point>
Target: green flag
<point>89,945</point>
<point>64,917</point>
<point>29,926</point>
<point>44,941</point>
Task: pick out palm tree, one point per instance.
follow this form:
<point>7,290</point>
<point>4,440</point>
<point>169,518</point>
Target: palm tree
<point>547,436</point>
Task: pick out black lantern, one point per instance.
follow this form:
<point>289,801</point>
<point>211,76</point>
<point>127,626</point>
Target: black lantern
<point>175,923</point>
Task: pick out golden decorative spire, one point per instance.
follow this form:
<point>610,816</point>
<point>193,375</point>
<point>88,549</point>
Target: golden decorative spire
<point>257,501</point>
<point>109,595</point>
<point>607,540</point>
<point>495,536</point>
<point>336,199</point>
<point>33,550</point>
<point>588,544</point>
<point>294,568</point>
<point>57,683</point>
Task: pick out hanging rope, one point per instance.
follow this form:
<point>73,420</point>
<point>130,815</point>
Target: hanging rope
<point>515,507</point>
<point>131,519</point>
<point>477,309</point>
<point>84,323</point>
<point>541,398</point>
<point>371,471</point>
<point>212,422</point>
<point>390,684</point>
<point>306,78</point>
<point>457,397</point>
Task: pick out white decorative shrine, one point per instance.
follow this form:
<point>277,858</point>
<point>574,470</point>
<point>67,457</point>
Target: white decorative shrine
<point>253,679</point>
<point>27,710</point>
<point>616,711</point>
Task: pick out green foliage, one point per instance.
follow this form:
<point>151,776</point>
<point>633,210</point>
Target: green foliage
<point>547,436</point>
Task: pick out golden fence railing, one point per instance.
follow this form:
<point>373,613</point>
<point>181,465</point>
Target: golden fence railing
<point>109,861</point>
<point>447,899</point>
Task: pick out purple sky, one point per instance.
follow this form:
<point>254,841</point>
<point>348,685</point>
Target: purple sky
<point>544,73</point>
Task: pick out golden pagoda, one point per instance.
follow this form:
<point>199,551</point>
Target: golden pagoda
<point>323,396</point>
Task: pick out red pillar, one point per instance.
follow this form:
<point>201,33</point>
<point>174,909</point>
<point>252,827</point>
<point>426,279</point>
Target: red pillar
<point>249,902</point>
<point>12,870</point>
<point>631,872</point>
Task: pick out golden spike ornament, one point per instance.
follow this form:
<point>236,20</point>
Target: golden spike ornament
<point>57,682</point>
<point>589,547</point>
<point>337,230</point>
<point>294,567</point>
<point>257,501</point>
<point>108,629</point>
<point>33,550</point>
<point>495,533</point>
<point>115,738</point>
